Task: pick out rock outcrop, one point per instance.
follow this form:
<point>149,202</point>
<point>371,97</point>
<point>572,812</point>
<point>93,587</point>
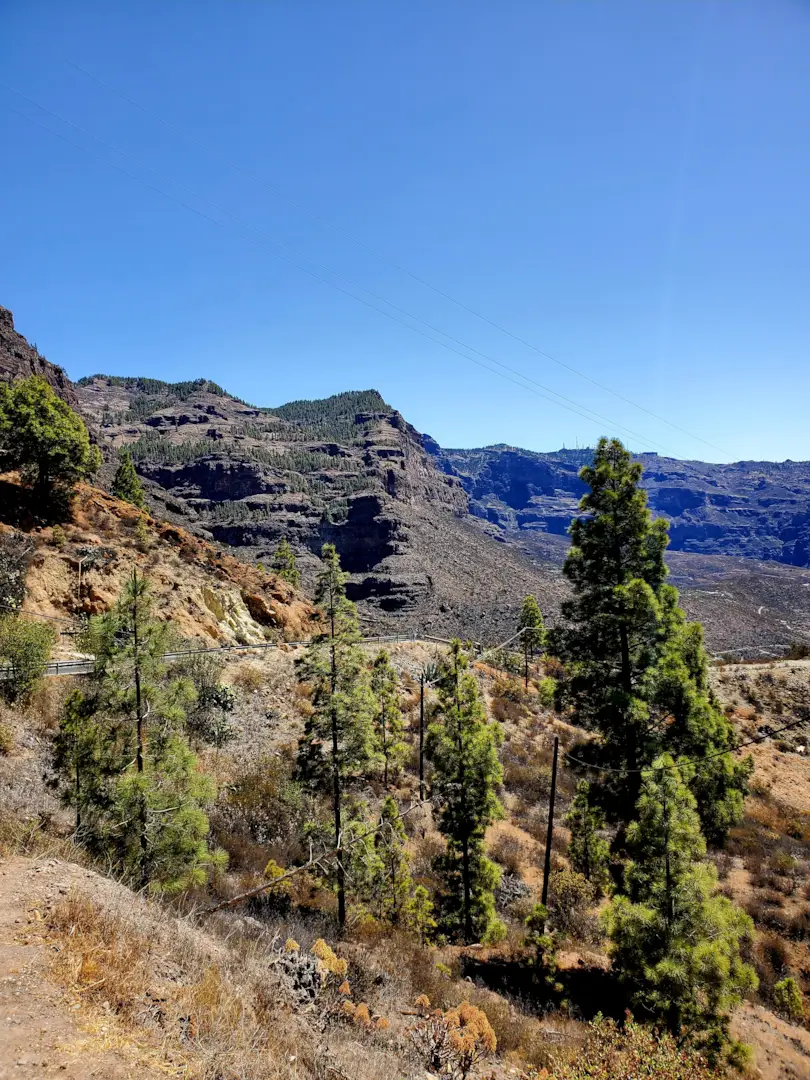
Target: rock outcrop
<point>18,360</point>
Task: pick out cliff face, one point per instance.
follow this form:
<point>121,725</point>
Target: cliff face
<point>18,359</point>
<point>348,470</point>
<point>754,509</point>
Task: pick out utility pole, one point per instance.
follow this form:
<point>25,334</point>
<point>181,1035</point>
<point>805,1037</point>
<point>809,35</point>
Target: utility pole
<point>140,722</point>
<point>550,829</point>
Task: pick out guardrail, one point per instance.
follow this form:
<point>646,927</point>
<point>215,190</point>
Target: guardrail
<point>85,667</point>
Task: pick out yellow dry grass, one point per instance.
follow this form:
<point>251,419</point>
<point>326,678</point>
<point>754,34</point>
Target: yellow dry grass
<point>171,1004</point>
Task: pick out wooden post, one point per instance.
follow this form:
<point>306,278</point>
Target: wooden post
<point>550,829</point>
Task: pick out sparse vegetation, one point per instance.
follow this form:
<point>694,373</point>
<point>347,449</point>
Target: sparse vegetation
<point>15,556</point>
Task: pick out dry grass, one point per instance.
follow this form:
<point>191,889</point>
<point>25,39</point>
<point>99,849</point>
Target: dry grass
<point>248,677</point>
<point>183,1002</point>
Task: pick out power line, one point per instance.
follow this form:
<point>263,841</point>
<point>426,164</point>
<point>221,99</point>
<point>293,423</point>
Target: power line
<point>391,262</point>
<point>578,409</point>
<point>688,761</point>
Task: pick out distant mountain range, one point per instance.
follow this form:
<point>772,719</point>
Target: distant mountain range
<point>437,539</point>
<point>756,509</point>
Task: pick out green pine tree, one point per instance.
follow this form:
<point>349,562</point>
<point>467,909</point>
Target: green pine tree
<point>633,662</point>
<point>44,438</point>
<point>337,746</point>
<point>127,484</point>
<point>587,850</point>
<point>675,941</point>
<point>543,944</point>
<point>388,715</point>
<point>696,726</point>
<point>532,632</point>
<point>120,757</point>
<point>463,748</point>
<point>25,648</point>
<point>284,564</point>
<point>420,914</point>
<point>392,885</point>
<point>87,756</point>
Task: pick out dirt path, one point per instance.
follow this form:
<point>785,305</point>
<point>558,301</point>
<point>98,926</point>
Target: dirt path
<point>40,1030</point>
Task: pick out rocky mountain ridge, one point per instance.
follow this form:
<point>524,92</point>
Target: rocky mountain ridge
<point>753,509</point>
<point>442,541</point>
<point>19,359</point>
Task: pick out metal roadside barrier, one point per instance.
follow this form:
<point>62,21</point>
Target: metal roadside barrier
<point>85,667</point>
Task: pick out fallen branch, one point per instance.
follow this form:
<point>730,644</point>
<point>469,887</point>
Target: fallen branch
<point>315,860</point>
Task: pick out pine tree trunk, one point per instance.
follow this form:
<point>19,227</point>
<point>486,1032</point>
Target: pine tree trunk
<point>336,800</point>
<point>465,878</point>
<point>385,749</point>
<point>78,791</point>
<point>140,732</point>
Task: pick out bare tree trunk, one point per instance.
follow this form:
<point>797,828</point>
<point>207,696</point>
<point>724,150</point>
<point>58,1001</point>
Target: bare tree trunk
<point>140,727</point>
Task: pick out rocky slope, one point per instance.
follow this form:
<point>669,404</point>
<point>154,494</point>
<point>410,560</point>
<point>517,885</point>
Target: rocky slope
<point>211,598</point>
<point>18,359</point>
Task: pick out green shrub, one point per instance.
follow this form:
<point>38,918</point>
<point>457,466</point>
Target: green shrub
<point>44,438</point>
<point>548,690</point>
<point>571,896</point>
<point>787,997</point>
<point>612,1052</point>
<point>6,740</point>
<point>25,647</point>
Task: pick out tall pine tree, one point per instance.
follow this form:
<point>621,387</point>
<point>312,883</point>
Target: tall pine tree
<point>388,715</point>
<point>636,668</point>
<point>675,941</point>
<point>463,748</point>
<point>120,756</point>
<point>337,746</point>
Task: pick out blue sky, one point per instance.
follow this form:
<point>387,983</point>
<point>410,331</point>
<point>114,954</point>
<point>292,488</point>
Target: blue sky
<point>624,185</point>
